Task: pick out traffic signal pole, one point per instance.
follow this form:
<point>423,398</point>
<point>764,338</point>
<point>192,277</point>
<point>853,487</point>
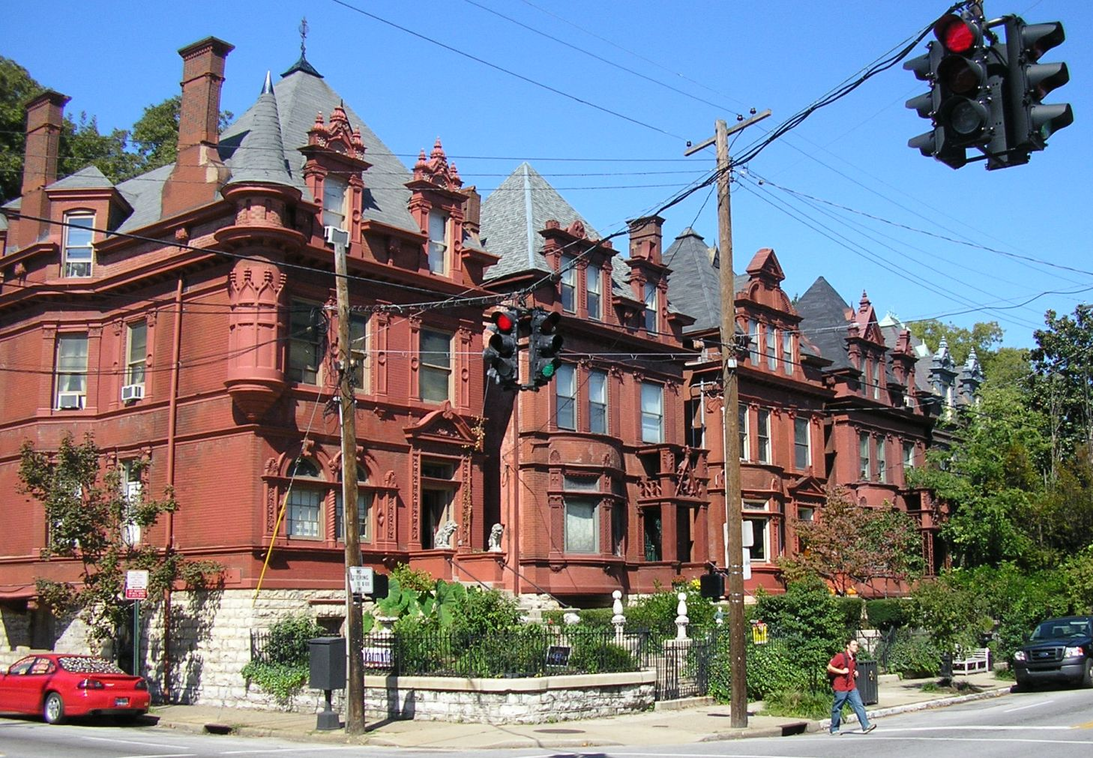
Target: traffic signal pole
<point>354,715</point>
<point>733,505</point>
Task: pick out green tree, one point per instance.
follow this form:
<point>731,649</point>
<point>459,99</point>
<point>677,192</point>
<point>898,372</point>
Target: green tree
<point>1062,379</point>
<point>982,337</point>
<point>82,145</point>
<point>90,519</point>
<point>17,88</point>
<point>849,545</point>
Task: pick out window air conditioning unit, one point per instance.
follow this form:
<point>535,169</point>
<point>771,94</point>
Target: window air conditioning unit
<point>69,401</point>
<point>131,392</point>
<point>333,235</point>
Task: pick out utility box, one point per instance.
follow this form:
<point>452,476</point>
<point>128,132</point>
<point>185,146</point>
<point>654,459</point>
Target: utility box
<point>327,663</point>
<point>867,682</point>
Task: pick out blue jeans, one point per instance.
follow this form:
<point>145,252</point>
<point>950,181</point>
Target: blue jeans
<point>855,703</point>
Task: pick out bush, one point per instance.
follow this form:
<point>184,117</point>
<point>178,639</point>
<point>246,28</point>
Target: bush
<point>887,614</point>
<point>282,669</point>
<point>850,608</point>
<point>657,612</point>
<point>804,704</point>
<point>911,655</point>
<point>774,668</point>
<point>593,618</point>
<point>594,655</point>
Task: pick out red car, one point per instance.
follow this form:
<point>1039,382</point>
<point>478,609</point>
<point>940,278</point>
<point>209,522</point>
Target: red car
<point>58,685</point>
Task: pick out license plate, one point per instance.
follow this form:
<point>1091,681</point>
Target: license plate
<point>120,701</point>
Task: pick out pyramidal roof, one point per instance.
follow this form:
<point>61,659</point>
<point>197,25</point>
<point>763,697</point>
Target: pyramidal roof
<point>824,321</point>
<point>694,284</point>
<point>515,212</point>
<point>299,96</point>
<point>260,157</point>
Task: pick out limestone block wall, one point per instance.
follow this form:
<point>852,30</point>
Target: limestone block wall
<point>509,701</point>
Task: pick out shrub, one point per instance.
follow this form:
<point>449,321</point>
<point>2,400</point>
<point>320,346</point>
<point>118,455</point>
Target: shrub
<point>887,614</point>
<point>850,608</point>
<point>805,704</point>
<point>911,655</point>
<point>282,669</point>
<point>657,612</point>
<point>595,655</point>
<point>592,618</point>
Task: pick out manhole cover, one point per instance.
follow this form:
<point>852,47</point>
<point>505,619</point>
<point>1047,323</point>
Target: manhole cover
<point>560,731</point>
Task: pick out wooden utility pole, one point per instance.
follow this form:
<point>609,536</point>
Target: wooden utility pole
<point>354,715</point>
<point>733,514</point>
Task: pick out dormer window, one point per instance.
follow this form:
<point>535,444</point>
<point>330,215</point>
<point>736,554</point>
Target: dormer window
<point>569,284</point>
<point>651,308</point>
<point>77,249</point>
<point>787,352</point>
<point>594,285</point>
<point>439,241</point>
<point>335,191</point>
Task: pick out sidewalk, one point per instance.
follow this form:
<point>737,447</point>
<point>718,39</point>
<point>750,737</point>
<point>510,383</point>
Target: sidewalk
<point>672,723</point>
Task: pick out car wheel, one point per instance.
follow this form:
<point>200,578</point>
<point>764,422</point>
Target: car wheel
<point>54,710</point>
<point>1087,675</point>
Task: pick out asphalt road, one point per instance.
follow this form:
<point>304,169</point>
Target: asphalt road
<point>1058,723</point>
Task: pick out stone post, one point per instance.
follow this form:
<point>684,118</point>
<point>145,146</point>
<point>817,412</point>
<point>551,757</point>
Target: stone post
<point>681,617</point>
<point>617,619</point>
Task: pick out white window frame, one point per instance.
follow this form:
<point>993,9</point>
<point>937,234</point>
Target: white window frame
<point>440,241</point>
<point>136,353</point>
<point>358,351</point>
<point>865,457</point>
<point>652,308</point>
<point>802,431</point>
<point>568,283</point>
<point>760,538</point>
<point>908,456</point>
<point>652,413</point>
<point>762,433</point>
<point>771,347</point>
<point>79,246</point>
<point>882,459</point>
<point>787,351</point>
<point>598,422</point>
<point>70,367</point>
<point>305,502</point>
<point>593,282</point>
<point>744,424</point>
<point>335,197</point>
<point>565,397</point>
<point>434,363</point>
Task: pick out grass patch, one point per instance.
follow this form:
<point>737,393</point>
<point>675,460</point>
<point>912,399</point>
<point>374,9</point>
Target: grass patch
<point>811,705</point>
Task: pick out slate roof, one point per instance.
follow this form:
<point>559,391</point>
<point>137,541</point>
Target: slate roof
<point>515,212</point>
<point>823,322</point>
<point>85,178</point>
<point>694,284</point>
<point>891,327</point>
<point>260,157</point>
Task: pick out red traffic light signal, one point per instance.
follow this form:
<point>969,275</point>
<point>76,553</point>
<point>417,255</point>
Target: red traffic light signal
<point>502,349</point>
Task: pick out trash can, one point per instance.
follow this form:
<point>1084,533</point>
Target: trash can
<point>867,682</point>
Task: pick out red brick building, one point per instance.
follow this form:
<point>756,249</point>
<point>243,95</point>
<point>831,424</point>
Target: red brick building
<point>185,318</point>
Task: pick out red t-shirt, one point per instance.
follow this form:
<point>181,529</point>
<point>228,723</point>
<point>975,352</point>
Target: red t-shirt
<point>843,682</point>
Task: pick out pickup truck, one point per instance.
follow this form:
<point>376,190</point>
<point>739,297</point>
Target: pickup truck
<point>1058,650</point>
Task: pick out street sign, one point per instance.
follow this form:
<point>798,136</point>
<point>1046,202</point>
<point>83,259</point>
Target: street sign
<point>136,585</point>
<point>361,580</point>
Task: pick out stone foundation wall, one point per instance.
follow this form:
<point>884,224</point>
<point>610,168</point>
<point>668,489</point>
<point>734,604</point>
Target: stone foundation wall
<point>508,701</point>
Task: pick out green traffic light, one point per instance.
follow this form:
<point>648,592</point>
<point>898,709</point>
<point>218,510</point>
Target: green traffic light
<point>548,370</point>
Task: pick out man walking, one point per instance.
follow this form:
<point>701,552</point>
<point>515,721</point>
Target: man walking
<point>843,670</point>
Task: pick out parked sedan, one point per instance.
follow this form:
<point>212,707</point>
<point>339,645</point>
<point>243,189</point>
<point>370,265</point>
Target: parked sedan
<point>57,685</point>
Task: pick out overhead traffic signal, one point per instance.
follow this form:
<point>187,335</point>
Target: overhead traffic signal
<point>963,101</point>
<point>502,349</point>
<point>1029,121</point>
<point>544,344</point>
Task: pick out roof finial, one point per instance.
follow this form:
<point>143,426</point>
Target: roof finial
<point>303,37</point>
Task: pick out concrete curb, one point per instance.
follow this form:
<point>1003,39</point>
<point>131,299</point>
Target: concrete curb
<point>940,702</point>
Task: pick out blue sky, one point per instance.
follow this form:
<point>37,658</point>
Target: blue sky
<point>963,246</point>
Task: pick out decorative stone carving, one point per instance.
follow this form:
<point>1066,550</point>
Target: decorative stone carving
<point>442,540</point>
<point>495,538</point>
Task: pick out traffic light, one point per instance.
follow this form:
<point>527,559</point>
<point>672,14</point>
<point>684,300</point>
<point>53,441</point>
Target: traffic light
<point>712,585</point>
<point>502,349</point>
<point>544,344</point>
<point>1029,122</point>
<point>962,101</point>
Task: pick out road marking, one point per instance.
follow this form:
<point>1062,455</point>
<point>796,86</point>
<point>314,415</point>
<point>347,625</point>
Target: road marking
<point>992,727</point>
<point>874,737</point>
<point>160,755</point>
<point>1030,705</point>
<point>1086,725</point>
<point>282,750</point>
<point>131,742</point>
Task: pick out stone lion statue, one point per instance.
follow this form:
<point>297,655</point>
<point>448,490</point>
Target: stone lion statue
<point>495,538</point>
<point>442,540</point>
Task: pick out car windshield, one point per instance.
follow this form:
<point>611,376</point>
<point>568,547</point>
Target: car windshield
<point>1058,629</point>
<point>82,664</point>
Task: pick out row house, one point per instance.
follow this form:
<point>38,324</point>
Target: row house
<point>186,318</point>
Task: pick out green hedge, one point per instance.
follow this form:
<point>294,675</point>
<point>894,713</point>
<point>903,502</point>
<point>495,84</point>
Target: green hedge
<point>888,613</point>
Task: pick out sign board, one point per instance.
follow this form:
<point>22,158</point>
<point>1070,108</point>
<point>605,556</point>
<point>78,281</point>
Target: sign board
<point>136,585</point>
<point>557,655</point>
<point>361,580</point>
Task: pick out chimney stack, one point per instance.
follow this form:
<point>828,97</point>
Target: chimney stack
<point>45,116</point>
<point>645,238</point>
<point>198,172</point>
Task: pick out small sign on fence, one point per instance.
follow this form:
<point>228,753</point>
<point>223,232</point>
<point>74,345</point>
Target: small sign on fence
<point>557,655</point>
<point>376,657</point>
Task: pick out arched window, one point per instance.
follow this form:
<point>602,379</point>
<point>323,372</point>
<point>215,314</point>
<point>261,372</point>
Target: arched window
<point>305,500</point>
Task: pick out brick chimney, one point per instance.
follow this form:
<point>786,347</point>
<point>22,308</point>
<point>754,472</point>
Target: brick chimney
<point>198,173</point>
<point>645,238</point>
<point>45,115</point>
